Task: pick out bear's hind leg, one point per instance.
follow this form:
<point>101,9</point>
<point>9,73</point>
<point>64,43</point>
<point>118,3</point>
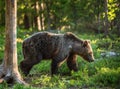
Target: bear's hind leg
<point>25,67</point>
<point>27,64</point>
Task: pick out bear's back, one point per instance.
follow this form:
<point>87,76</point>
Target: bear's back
<point>46,43</point>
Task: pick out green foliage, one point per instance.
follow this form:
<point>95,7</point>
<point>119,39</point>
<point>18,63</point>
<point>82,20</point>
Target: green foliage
<point>76,15</point>
<point>2,42</point>
<point>19,86</point>
<point>103,73</point>
<point>3,86</point>
<point>112,7</point>
<point>106,76</point>
<point>110,43</point>
<point>79,16</point>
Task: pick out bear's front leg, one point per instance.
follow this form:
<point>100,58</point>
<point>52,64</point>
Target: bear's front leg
<point>71,62</point>
<point>54,67</point>
<point>56,63</point>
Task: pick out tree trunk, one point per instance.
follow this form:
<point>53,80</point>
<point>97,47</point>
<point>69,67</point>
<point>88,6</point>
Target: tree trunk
<point>9,68</point>
<point>42,16</point>
<point>48,4</point>
<point>26,21</point>
<point>37,17</point>
<point>74,12</point>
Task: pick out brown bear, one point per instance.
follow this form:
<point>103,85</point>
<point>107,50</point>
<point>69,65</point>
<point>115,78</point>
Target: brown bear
<point>58,47</point>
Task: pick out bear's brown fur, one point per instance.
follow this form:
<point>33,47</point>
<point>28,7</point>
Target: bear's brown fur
<point>58,47</point>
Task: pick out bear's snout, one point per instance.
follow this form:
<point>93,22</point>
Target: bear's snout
<point>91,60</point>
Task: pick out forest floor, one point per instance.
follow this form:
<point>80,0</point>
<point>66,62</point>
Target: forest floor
<point>103,73</point>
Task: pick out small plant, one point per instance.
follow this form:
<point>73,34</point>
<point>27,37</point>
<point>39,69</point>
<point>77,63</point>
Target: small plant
<point>107,76</point>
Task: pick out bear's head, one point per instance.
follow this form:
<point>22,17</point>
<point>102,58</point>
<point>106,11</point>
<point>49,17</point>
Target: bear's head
<point>87,52</point>
<point>84,49</point>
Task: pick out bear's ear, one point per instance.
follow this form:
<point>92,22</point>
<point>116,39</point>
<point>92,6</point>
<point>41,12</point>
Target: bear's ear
<point>86,42</point>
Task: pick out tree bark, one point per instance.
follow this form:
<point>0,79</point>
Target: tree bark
<point>37,17</point>
<point>42,18</point>
<point>9,68</point>
<point>74,11</point>
<point>26,21</point>
<point>48,5</point>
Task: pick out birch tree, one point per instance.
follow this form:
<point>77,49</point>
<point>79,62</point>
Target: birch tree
<point>9,68</point>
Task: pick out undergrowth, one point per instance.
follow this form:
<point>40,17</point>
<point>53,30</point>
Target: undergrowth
<point>104,73</point>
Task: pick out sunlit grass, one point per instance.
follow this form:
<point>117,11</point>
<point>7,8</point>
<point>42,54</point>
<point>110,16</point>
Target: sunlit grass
<point>19,40</point>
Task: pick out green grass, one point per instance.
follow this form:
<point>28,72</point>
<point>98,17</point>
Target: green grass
<point>104,73</point>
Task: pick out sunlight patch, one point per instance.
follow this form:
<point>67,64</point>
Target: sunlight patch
<point>19,40</point>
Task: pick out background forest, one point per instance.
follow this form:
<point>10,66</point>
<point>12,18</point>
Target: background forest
<point>78,15</point>
<point>96,20</point>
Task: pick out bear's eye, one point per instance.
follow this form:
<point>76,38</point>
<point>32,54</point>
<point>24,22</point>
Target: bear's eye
<point>90,53</point>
